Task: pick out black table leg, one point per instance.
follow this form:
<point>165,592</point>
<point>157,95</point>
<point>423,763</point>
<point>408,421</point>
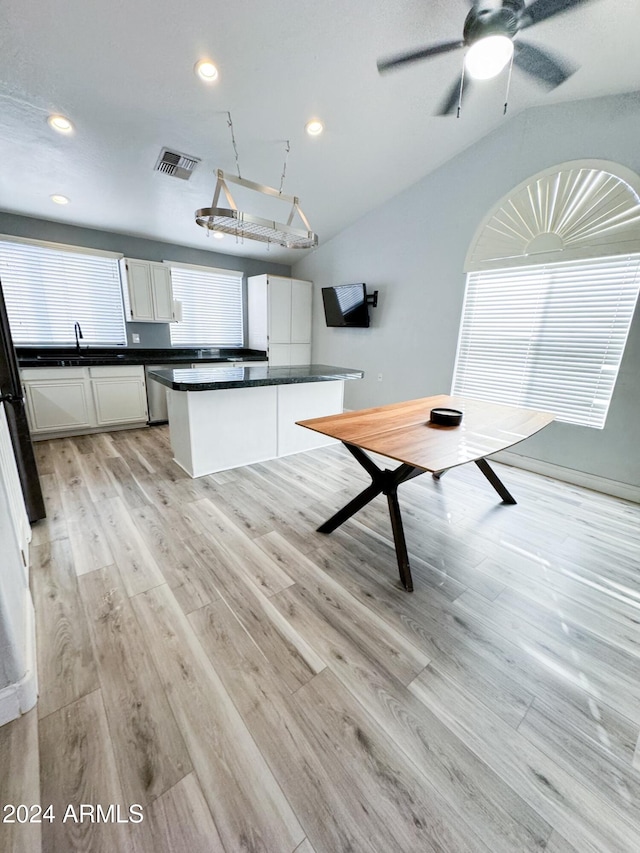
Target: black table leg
<point>383,482</point>
<point>386,482</point>
<point>351,508</point>
<point>495,481</point>
<point>399,541</point>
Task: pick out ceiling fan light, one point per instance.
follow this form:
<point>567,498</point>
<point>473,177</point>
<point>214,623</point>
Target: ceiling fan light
<point>488,56</point>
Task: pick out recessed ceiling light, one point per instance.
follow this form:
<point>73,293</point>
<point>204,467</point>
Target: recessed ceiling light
<point>314,127</point>
<point>59,199</point>
<point>206,70</point>
<point>60,123</point>
<point>218,235</point>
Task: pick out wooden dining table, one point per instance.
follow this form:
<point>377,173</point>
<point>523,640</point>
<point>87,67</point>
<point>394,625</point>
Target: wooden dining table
<point>404,432</point>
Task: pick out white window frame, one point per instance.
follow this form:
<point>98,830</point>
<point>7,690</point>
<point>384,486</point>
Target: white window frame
<point>208,320</point>
<point>57,286</point>
<point>548,336</point>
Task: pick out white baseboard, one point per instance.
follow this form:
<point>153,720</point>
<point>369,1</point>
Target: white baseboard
<point>18,698</point>
<point>568,475</point>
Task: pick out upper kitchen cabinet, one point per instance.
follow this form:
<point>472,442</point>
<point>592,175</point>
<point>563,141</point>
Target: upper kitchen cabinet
<point>150,292</point>
<point>279,315</point>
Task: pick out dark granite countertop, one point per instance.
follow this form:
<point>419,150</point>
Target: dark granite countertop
<point>93,356</point>
<point>217,378</point>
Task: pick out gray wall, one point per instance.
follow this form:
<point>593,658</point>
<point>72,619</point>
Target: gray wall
<point>412,250</point>
<point>151,334</point>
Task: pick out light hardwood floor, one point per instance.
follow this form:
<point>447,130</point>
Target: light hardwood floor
<point>257,686</point>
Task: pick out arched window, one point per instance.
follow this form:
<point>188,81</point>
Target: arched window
<point>552,282</point>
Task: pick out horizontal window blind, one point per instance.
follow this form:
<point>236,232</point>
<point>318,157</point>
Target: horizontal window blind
<point>211,307</point>
<point>47,290</point>
<point>548,337</point>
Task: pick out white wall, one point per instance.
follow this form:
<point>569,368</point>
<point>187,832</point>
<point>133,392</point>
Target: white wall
<point>412,250</point>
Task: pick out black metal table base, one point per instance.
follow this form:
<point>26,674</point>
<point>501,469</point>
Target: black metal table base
<point>386,482</point>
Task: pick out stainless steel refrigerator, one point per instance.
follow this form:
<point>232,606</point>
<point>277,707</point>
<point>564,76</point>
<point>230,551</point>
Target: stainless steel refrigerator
<point>12,396</point>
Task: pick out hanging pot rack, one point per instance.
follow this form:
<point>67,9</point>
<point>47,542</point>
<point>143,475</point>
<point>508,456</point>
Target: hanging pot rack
<point>230,220</point>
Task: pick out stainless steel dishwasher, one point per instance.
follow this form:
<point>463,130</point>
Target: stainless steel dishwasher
<point>157,394</point>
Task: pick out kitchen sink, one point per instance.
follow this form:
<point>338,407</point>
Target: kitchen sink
<point>79,360</point>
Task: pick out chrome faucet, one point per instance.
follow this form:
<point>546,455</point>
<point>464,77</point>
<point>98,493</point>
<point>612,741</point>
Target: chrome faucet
<point>78,333</point>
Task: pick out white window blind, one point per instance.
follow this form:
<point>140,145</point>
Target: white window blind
<point>548,337</point>
<point>47,290</point>
<point>211,307</point>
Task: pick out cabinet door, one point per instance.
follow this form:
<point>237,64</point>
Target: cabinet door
<point>301,295</point>
<point>300,353</point>
<point>279,355</point>
<point>258,312</point>
<point>119,401</point>
<point>162,293</point>
<point>58,405</point>
<point>140,291</point>
<point>279,300</point>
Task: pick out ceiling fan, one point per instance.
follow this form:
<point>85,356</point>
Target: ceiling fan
<point>488,34</point>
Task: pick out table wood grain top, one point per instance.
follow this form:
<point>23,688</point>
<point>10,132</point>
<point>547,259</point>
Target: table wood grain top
<point>403,431</point>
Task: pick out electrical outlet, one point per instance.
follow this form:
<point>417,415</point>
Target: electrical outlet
<point>379,377</point>
<point>135,338</point>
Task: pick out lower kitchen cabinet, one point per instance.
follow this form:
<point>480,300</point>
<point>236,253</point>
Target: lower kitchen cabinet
<point>58,399</point>
<point>119,394</point>
<point>68,400</point>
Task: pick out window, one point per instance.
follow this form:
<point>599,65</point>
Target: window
<point>549,336</point>
<point>49,288</point>
<point>211,307</point>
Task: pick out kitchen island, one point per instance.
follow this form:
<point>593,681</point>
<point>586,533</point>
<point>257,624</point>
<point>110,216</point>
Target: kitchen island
<point>225,417</point>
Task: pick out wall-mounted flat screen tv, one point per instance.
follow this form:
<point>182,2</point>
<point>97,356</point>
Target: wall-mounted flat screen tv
<point>346,305</point>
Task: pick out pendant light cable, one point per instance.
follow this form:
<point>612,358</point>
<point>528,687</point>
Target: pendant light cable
<point>284,167</point>
<point>233,142</point>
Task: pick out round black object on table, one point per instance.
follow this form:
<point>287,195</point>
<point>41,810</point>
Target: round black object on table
<point>446,417</point>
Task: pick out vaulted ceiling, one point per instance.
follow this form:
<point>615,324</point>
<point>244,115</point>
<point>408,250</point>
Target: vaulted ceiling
<point>123,72</point>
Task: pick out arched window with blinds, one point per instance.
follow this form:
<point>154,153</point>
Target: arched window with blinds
<point>548,307</point>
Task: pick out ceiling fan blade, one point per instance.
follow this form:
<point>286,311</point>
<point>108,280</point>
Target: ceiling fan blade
<point>541,10</point>
<point>541,65</point>
<point>415,55</point>
<point>449,105</point>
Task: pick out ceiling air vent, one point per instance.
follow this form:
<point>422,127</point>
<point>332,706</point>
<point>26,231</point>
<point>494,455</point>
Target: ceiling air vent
<point>175,164</point>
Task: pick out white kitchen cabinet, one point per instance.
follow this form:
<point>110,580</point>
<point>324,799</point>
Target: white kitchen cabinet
<point>74,400</point>
<point>119,394</point>
<point>279,315</point>
<point>301,296</point>
<point>278,309</point>
<point>300,353</point>
<point>283,355</point>
<point>150,292</point>
<point>58,399</point>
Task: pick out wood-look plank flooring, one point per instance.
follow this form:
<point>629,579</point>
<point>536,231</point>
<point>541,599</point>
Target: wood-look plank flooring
<point>258,687</point>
